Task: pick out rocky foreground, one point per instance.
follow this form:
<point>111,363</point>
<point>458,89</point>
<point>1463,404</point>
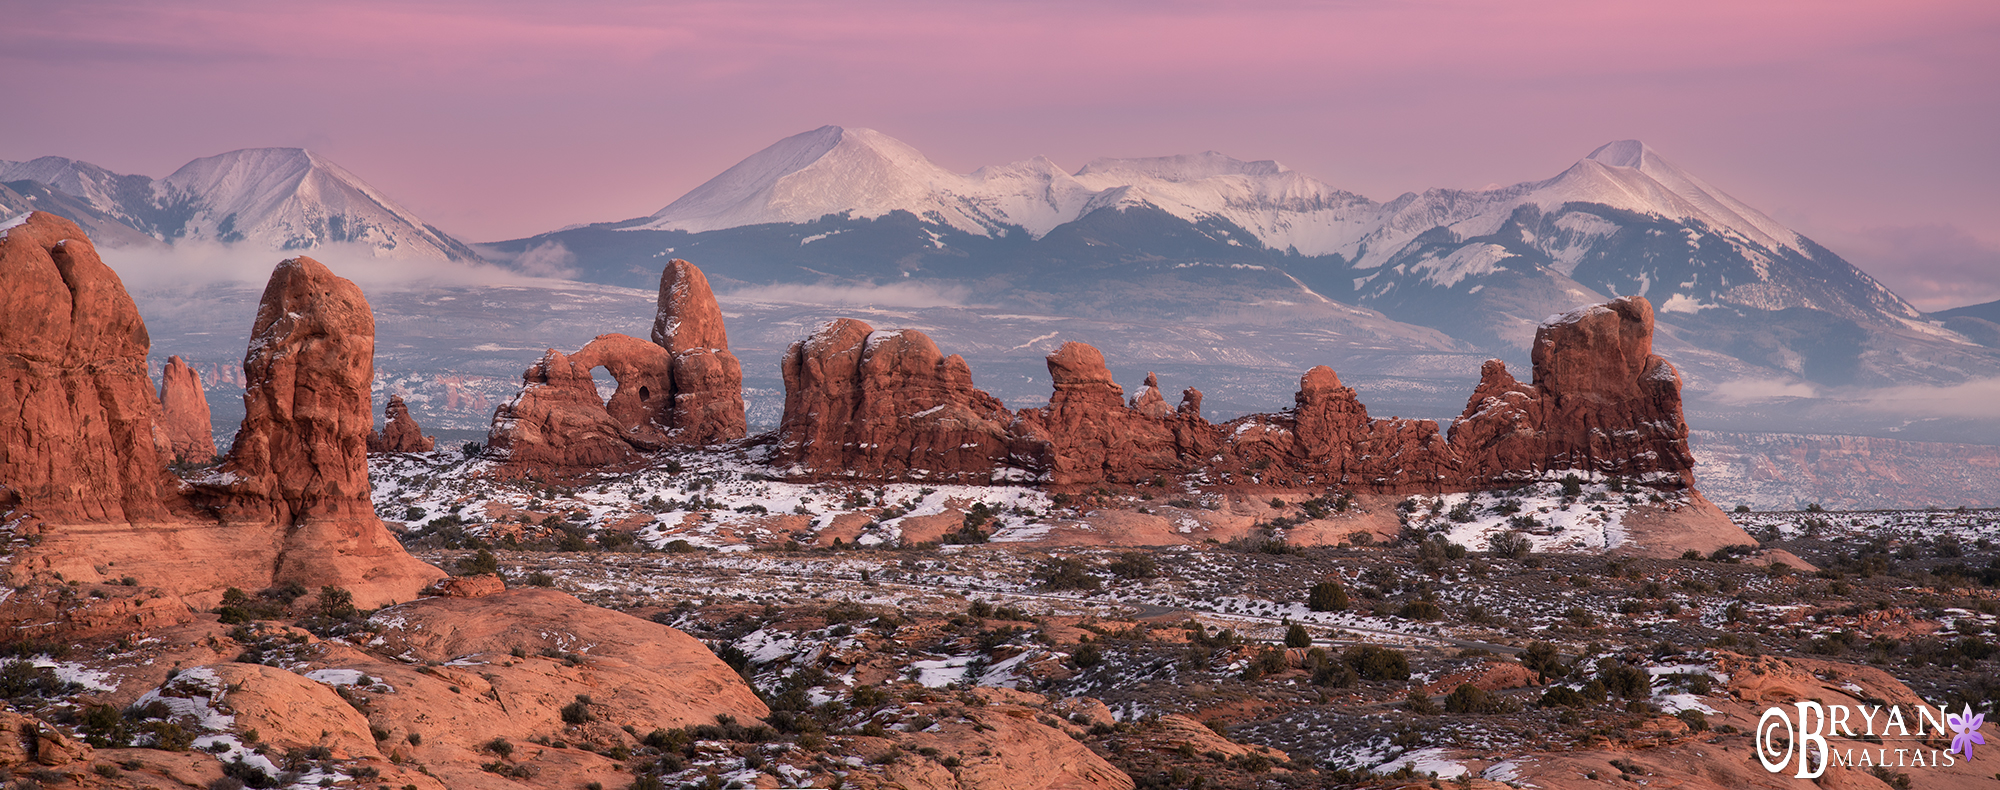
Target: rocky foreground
<point>908,584</point>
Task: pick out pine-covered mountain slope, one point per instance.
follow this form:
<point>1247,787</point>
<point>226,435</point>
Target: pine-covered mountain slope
<point>281,199</point>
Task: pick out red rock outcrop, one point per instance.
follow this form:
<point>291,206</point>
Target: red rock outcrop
<point>184,413</point>
<point>1601,401</point>
<point>683,389</point>
<point>80,439</point>
<point>300,461</point>
<point>1087,434</point>
<point>557,423</point>
<point>707,382</point>
<point>83,456</point>
<point>886,405</point>
<point>400,432</point>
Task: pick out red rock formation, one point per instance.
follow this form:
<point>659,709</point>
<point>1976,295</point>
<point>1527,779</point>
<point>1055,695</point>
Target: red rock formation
<point>79,426</point>
<point>83,460</point>
<point>400,432</point>
<point>886,405</point>
<point>684,388</point>
<point>300,461</point>
<point>556,422</point>
<point>643,405</point>
<point>184,413</point>
<point>1088,435</point>
<point>707,381</point>
<point>1602,401</point>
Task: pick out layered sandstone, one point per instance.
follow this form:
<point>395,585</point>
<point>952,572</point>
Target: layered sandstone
<point>300,461</point>
<point>886,405</point>
<point>400,432</point>
<point>682,389</point>
<point>184,413</point>
<point>1088,434</point>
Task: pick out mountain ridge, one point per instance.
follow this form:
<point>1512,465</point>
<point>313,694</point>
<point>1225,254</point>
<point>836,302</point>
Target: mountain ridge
<point>285,199</point>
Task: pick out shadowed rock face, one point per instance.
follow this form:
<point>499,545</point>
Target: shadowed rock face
<point>400,432</point>
<point>184,413</point>
<point>80,435</point>
<point>886,405</point>
<point>682,389</point>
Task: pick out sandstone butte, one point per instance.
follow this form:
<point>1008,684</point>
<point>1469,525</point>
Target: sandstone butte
<point>400,432</point>
<point>682,389</point>
<point>184,413</point>
<point>872,405</point>
<point>862,404</point>
<point>83,450</point>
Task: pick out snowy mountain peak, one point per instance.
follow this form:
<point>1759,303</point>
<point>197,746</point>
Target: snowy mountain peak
<point>865,174</point>
<point>1621,153</point>
<point>801,178</point>
<point>292,199</point>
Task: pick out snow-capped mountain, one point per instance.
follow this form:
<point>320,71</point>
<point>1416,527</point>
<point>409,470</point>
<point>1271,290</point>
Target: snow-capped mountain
<point>1191,235</point>
<point>282,199</point>
<point>865,174</point>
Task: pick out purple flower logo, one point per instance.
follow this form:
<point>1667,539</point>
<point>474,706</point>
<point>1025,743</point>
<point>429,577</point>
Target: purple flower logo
<point>1965,729</point>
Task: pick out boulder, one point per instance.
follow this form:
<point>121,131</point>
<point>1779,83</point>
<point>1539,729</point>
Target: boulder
<point>478,586</point>
<point>400,432</point>
<point>886,405</point>
<point>184,413</point>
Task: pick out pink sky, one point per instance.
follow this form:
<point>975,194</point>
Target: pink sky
<point>1869,126</point>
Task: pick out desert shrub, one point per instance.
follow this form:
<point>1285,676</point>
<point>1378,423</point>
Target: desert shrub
<point>477,564</point>
<point>1296,636</point>
<point>578,712</point>
<point>1327,596</point>
<point>1377,663</point>
<point>1468,698</point>
<point>1626,681</point>
<point>1133,565</point>
<point>1512,545</point>
<point>1420,610</point>
<point>20,679</point>
<point>1543,659</point>
<point>1066,573</point>
<point>1562,697</point>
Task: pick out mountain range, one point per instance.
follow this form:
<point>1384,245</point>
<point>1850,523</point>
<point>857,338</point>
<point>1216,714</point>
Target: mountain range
<point>283,199</point>
<point>1204,265</point>
<point>1192,236</point>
